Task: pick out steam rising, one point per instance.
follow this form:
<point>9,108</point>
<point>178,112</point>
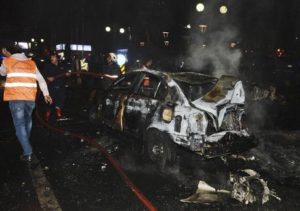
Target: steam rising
<point>214,54</point>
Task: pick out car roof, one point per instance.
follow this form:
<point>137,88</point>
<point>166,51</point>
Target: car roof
<point>193,78</point>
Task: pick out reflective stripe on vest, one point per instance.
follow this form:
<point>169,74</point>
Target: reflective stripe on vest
<point>21,80</point>
<point>18,84</point>
<point>28,75</point>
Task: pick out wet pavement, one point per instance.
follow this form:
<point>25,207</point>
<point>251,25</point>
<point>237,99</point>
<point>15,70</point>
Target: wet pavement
<point>81,178</point>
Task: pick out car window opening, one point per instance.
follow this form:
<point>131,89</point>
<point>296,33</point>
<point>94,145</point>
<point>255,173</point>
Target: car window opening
<point>195,91</point>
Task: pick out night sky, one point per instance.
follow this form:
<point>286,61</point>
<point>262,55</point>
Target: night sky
<point>266,22</point>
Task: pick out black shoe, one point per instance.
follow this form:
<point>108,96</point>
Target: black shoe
<point>26,158</point>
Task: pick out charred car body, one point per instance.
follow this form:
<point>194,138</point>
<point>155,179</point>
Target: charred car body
<point>199,112</point>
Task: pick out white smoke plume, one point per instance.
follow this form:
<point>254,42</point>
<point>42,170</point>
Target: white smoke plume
<point>214,51</point>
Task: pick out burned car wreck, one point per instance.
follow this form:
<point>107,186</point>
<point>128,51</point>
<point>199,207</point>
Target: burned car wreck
<point>199,112</point>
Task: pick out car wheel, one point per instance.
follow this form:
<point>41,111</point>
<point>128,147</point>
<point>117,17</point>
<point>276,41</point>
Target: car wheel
<point>159,148</point>
<point>95,114</point>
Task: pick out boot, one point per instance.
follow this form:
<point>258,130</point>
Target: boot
<point>47,115</point>
<point>58,113</point>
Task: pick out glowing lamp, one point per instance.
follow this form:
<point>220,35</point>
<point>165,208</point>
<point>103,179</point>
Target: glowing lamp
<point>200,7</point>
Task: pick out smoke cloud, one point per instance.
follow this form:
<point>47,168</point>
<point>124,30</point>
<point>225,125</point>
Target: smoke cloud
<point>213,53</point>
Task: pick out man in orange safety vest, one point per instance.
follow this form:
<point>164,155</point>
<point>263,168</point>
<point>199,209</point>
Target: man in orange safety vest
<point>20,91</point>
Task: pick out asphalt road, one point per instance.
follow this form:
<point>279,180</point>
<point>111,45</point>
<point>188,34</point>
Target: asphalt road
<point>81,178</point>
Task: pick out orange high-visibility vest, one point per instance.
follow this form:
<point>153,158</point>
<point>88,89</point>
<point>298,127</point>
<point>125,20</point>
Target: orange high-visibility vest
<point>20,81</point>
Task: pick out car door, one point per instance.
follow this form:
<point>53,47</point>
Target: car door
<point>114,100</point>
<point>143,103</point>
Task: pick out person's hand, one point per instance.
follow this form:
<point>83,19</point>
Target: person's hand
<point>50,79</point>
<point>48,99</point>
<point>68,74</point>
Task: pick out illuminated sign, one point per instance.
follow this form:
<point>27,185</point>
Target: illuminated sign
<point>23,45</point>
<point>75,47</point>
<point>60,47</point>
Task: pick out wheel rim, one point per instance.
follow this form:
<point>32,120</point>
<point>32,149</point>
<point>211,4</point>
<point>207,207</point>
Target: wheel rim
<point>158,149</point>
<point>158,153</point>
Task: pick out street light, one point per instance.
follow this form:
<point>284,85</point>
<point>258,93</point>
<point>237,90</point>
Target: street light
<point>107,29</point>
<point>42,40</point>
<point>200,7</point>
<point>32,39</point>
<point>233,45</point>
<point>188,26</point>
<point>223,9</point>
<point>122,30</point>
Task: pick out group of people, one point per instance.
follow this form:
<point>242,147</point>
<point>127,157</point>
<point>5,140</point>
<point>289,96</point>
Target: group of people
<point>22,76</point>
<point>20,88</point>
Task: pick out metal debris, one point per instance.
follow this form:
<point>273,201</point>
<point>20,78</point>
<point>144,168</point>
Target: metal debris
<point>259,93</point>
<point>103,166</point>
<point>251,158</point>
<point>243,190</point>
<point>206,194</point>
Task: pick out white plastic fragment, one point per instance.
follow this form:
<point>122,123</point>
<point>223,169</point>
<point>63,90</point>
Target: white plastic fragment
<point>103,166</point>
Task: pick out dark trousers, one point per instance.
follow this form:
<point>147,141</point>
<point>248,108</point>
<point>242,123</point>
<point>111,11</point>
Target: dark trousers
<point>58,96</point>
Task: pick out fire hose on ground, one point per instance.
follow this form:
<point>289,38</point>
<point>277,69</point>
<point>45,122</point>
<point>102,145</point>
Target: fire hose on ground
<point>92,142</point>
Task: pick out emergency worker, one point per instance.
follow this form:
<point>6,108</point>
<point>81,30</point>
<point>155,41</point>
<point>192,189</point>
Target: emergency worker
<point>111,70</point>
<point>56,86</point>
<point>20,92</point>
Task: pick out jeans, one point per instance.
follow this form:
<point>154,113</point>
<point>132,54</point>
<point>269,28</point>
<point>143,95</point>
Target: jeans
<point>21,112</point>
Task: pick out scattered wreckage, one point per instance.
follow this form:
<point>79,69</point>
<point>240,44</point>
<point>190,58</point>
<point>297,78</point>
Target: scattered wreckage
<point>244,189</point>
<point>202,113</point>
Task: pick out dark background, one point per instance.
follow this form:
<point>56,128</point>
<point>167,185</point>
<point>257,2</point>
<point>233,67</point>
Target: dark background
<point>265,25</point>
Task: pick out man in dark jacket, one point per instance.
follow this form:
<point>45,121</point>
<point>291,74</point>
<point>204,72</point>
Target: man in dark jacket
<point>56,86</point>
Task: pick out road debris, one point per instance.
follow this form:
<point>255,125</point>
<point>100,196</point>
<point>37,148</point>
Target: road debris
<point>244,189</point>
<point>103,166</point>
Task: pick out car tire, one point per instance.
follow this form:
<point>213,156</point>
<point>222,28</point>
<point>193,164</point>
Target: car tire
<point>95,116</point>
<point>159,148</point>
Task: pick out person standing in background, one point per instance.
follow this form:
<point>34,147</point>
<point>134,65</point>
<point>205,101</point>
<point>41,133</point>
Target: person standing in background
<point>56,86</point>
